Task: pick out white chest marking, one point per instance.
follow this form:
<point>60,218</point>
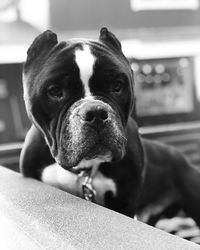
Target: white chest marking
<point>103,184</point>
<point>58,177</point>
<point>85,61</point>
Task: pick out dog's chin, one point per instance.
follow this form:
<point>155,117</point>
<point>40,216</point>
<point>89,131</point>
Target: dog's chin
<point>95,155</point>
<point>93,160</point>
<point>97,150</point>
<point>88,157</point>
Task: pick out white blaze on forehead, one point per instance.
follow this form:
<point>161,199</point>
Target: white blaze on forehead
<point>85,61</point>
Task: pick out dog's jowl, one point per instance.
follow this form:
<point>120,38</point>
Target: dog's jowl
<point>79,96</point>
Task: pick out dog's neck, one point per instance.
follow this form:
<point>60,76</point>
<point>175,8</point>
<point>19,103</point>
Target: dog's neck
<point>84,180</point>
<point>92,165</point>
<point>87,170</point>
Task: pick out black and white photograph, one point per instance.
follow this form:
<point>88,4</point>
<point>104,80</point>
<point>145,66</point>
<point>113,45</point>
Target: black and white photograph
<point>99,124</point>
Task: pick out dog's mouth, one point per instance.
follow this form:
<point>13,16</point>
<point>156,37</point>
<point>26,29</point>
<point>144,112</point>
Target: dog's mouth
<point>93,161</point>
<point>97,150</point>
<point>85,139</point>
<point>90,151</point>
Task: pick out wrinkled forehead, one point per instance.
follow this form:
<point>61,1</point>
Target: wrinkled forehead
<point>96,59</point>
<point>87,54</point>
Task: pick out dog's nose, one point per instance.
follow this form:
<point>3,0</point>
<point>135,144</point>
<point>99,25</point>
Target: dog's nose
<point>94,114</point>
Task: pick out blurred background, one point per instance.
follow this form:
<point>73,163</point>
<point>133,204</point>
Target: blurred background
<point>161,38</point>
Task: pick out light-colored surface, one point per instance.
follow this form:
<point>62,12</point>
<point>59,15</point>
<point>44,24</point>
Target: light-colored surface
<point>36,216</point>
<point>132,48</point>
<point>13,53</point>
<point>176,127</point>
<point>160,49</point>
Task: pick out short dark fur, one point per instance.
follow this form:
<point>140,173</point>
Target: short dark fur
<point>147,173</point>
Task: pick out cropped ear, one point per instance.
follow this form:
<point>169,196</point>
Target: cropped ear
<point>42,43</point>
<point>109,39</point>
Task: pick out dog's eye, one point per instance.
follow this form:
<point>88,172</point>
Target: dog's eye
<point>55,92</point>
<point>117,86</point>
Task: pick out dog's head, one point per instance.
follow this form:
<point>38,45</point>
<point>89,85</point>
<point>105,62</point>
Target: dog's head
<point>79,93</point>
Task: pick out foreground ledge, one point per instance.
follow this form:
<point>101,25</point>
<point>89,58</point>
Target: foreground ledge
<point>36,216</point>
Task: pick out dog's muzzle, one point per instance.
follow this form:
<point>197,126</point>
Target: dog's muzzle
<point>90,129</point>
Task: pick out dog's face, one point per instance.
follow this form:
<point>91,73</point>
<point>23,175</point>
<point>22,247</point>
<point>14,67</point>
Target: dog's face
<point>79,94</point>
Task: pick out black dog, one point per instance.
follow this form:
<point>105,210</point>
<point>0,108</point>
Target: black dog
<point>79,96</point>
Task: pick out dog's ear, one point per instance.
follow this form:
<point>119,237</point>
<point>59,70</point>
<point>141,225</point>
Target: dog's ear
<point>109,39</point>
<point>42,43</point>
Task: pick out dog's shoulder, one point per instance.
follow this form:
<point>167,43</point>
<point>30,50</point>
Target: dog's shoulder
<point>160,152</point>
